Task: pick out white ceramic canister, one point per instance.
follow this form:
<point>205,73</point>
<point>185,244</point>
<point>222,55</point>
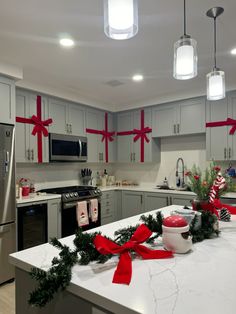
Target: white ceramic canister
<point>175,235</point>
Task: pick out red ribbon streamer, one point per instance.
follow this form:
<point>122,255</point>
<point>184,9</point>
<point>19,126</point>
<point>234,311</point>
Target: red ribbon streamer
<point>229,121</point>
<point>106,135</point>
<point>219,205</point>
<point>39,127</point>
<point>139,134</point>
<point>123,272</point>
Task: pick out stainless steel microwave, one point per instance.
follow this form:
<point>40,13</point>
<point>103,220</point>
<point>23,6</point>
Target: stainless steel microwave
<point>67,147</point>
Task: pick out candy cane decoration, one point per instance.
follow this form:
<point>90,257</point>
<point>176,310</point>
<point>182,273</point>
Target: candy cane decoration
<point>218,184</point>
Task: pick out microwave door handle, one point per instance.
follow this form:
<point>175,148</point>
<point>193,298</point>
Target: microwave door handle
<point>80,148</point>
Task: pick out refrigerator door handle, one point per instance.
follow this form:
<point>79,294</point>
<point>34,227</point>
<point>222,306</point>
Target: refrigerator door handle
<point>4,229</point>
<point>7,160</point>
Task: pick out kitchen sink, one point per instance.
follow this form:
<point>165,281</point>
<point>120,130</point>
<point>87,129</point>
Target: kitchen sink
<point>164,187</point>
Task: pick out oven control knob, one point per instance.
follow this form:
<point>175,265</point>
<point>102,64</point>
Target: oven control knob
<point>75,194</point>
<point>95,192</point>
<point>67,196</point>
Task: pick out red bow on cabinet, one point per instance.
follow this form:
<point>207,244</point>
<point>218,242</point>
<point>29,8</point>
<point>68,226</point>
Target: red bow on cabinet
<point>123,271</point>
<point>229,121</point>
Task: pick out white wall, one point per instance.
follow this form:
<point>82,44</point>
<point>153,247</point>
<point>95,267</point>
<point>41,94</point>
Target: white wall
<point>56,174</point>
<point>191,148</point>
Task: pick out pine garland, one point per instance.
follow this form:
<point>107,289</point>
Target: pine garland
<point>58,277</point>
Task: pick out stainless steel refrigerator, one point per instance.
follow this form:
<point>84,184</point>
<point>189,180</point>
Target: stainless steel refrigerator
<point>7,200</point>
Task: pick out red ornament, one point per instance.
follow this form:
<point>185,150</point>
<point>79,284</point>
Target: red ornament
<point>196,177</point>
<point>175,221</point>
<point>39,127</point>
<point>123,271</point>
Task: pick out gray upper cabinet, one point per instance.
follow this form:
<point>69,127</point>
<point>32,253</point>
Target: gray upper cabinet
<point>179,118</point>
<point>95,119</point>
<point>7,101</point>
<point>220,145</point>
<point>127,149</point>
<point>68,118</point>
<point>26,143</point>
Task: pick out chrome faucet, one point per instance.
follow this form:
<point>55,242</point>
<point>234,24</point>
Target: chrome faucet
<point>179,174</point>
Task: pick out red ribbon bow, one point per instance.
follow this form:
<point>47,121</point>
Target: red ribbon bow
<point>39,125</point>
<point>123,271</point>
<point>141,134</point>
<point>107,135</point>
<point>228,121</point>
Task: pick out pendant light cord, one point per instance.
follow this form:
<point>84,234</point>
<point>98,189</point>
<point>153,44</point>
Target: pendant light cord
<point>185,18</point>
<point>214,42</point>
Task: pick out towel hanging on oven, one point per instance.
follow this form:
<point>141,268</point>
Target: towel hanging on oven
<point>93,209</point>
<point>82,214</point>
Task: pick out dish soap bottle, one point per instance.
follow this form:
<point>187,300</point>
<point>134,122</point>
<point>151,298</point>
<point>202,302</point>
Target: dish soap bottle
<point>165,182</point>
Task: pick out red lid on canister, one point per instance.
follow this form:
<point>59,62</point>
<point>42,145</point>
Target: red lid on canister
<point>175,221</point>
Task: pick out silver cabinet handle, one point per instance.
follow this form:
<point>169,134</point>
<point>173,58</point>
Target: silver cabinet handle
<point>67,128</point>
<point>70,128</point>
<point>99,156</point>
<point>225,153</point>
<point>178,127</point>
<point>174,128</point>
<point>131,156</point>
<point>229,152</point>
<point>134,157</point>
<point>32,154</point>
<point>141,199</point>
<point>28,154</point>
<point>7,160</point>
<point>167,201</point>
<point>102,156</point>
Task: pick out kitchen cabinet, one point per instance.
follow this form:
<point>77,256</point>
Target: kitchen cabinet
<point>179,118</point>
<point>26,143</point>
<point>155,200</point>
<point>95,119</point>
<point>107,207</point>
<point>177,199</point>
<point>220,145</point>
<point>7,101</point>
<point>132,203</point>
<point>68,118</point>
<point>127,149</point>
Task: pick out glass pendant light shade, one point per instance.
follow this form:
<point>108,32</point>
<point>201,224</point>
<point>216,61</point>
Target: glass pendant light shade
<point>120,18</point>
<point>185,58</point>
<point>215,85</point>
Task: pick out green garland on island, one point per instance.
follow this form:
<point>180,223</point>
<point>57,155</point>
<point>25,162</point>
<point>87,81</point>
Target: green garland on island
<point>58,277</point>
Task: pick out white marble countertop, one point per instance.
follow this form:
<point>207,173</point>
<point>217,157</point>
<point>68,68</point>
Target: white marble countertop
<point>202,281</point>
<point>37,198</point>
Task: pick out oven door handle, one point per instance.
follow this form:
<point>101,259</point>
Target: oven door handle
<point>69,205</point>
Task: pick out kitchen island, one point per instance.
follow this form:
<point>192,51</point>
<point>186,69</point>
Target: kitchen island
<point>202,281</point>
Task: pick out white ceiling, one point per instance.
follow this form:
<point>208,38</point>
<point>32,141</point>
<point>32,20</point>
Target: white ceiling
<point>29,32</point>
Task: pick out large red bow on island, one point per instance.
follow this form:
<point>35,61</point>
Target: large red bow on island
<point>123,272</point>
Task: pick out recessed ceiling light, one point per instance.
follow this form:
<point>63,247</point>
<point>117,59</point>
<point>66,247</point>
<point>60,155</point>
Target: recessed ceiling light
<point>137,77</point>
<point>67,42</point>
<point>233,51</point>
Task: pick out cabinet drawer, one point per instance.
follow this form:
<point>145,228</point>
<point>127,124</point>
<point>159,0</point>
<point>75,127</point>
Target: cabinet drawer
<point>107,203</point>
<point>107,195</point>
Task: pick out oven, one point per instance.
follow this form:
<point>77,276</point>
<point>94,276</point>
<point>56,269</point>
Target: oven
<point>69,223</point>
<point>70,196</point>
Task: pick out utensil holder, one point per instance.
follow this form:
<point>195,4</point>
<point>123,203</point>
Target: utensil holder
<point>87,180</point>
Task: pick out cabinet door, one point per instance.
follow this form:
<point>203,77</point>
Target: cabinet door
<point>33,140</point>
<point>191,116</point>
<point>124,143</point>
<point>155,201</point>
<point>164,121</point>
<point>100,144</point>
<point>132,203</point>
<point>217,137</point>
<point>91,123</point>
<point>76,119</point>
<point>22,129</point>
<point>58,113</point>
<point>112,145</point>
<point>181,200</point>
<point>7,101</point>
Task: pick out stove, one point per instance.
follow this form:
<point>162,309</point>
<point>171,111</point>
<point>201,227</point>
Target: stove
<point>70,196</point>
<point>75,193</point>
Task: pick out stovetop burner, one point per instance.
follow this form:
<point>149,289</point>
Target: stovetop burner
<point>75,193</point>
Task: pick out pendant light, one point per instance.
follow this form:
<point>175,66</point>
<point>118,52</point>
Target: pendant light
<point>216,78</point>
<point>120,18</point>
<point>185,55</point>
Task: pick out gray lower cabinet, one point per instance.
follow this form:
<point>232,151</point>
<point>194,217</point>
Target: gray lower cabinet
<point>108,213</point>
<point>155,201</point>
<point>181,199</point>
<point>132,203</point>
